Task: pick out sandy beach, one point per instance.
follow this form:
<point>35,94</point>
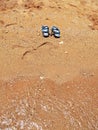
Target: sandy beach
<point>48,83</point>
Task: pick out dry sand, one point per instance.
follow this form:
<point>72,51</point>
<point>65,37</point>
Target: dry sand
<point>52,86</point>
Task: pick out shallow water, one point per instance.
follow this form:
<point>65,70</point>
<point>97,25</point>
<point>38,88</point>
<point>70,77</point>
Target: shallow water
<point>41,104</point>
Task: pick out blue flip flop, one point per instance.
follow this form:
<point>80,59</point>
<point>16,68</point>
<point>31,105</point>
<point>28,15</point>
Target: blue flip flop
<point>55,31</point>
<point>45,31</point>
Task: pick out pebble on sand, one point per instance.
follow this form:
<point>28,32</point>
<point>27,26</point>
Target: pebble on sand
<point>61,42</point>
<point>66,52</point>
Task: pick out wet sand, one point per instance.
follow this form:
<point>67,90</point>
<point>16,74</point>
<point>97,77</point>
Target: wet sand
<point>52,86</point>
<point>41,104</point>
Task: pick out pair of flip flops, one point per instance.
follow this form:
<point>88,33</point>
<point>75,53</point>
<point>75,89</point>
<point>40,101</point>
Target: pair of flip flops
<point>54,31</point>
